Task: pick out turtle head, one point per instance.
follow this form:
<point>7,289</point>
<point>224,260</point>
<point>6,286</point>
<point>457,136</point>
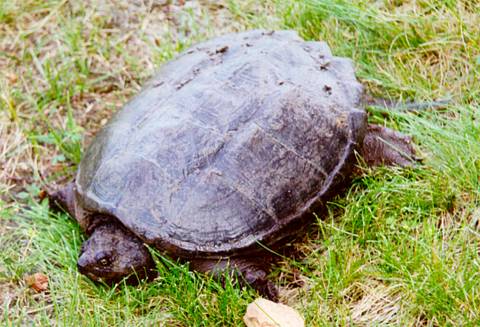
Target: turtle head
<point>112,253</point>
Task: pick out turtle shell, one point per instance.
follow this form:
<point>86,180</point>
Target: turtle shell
<point>230,145</point>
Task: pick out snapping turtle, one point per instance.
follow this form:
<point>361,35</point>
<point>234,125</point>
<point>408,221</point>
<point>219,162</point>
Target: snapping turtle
<point>226,151</point>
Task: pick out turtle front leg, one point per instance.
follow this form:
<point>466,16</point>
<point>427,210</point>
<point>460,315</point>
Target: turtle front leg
<point>63,200</point>
<point>384,146</point>
<point>252,272</point>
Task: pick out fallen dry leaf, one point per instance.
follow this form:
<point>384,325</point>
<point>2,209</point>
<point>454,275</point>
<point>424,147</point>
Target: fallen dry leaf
<point>12,78</point>
<point>37,281</point>
<point>265,313</point>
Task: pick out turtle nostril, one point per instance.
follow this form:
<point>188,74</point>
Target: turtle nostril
<point>82,262</point>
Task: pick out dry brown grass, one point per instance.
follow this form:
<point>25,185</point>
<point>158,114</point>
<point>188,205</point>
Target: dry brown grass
<point>82,59</point>
<point>377,259</point>
<point>375,304</point>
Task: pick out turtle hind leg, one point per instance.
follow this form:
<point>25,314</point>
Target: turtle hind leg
<point>247,271</point>
<point>384,146</point>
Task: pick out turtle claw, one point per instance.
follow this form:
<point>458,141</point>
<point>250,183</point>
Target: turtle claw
<point>256,277</point>
<point>266,289</point>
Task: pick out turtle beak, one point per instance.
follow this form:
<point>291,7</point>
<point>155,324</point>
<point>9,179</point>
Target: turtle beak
<point>88,268</point>
<point>83,264</point>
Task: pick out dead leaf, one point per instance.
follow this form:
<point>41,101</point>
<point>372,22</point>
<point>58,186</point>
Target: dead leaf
<point>265,313</point>
<point>37,281</point>
<point>12,78</point>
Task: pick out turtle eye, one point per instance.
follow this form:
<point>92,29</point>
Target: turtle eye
<point>104,258</point>
<point>104,261</point>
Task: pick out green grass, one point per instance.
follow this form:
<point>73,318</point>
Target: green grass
<point>51,244</point>
<point>399,248</point>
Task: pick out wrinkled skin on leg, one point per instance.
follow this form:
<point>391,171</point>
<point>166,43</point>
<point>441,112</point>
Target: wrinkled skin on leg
<point>248,271</point>
<point>384,146</point>
<point>112,253</point>
<point>62,200</point>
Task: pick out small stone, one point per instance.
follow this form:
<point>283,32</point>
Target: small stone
<point>265,313</point>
